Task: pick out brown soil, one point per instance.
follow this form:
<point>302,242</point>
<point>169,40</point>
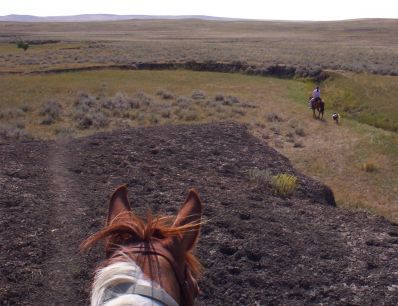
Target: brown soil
<point>256,248</point>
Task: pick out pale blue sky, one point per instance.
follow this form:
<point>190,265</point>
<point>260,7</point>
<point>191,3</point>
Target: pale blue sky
<point>255,9</point>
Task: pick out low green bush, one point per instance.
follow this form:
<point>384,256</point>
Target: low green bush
<point>284,184</point>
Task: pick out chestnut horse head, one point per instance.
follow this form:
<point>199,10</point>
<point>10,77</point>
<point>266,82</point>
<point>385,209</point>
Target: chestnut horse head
<point>148,263</point>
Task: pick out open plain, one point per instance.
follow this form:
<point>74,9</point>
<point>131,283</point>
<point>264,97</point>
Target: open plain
<point>164,105</point>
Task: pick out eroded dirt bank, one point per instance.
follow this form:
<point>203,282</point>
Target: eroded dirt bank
<point>256,248</point>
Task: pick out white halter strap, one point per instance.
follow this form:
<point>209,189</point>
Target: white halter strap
<point>157,294</point>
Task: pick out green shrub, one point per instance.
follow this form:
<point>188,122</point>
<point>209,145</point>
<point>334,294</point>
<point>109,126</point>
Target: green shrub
<point>284,184</point>
<point>22,45</point>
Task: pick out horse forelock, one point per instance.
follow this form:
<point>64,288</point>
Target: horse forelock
<point>128,228</point>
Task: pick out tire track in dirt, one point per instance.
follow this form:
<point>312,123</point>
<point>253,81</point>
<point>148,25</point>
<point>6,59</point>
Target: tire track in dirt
<point>66,213</point>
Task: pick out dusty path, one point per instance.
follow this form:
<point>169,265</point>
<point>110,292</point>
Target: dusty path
<point>257,248</point>
<point>66,220</point>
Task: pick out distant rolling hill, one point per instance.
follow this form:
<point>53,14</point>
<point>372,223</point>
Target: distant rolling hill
<point>101,17</point>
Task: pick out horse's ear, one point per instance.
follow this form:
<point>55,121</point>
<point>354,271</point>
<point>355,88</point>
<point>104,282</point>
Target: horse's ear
<point>119,204</point>
<point>190,214</point>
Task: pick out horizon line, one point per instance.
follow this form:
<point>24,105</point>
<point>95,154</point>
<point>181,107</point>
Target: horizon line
<point>189,16</point>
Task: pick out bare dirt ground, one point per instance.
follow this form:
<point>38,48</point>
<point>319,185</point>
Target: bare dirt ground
<point>256,248</point>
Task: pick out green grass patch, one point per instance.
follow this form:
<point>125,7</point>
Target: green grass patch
<point>284,184</point>
<point>369,99</point>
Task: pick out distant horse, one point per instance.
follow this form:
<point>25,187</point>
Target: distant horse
<point>148,263</point>
<point>319,105</point>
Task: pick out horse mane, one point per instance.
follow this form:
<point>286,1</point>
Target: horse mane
<point>129,228</point>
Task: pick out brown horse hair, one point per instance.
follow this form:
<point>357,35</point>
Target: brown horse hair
<point>129,228</point>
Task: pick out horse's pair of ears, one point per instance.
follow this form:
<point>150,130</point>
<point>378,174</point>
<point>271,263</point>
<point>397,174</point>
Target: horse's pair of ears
<point>189,213</point>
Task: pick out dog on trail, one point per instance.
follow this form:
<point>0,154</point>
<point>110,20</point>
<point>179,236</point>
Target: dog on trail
<point>336,117</point>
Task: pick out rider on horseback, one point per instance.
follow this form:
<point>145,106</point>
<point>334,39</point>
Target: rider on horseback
<point>316,94</point>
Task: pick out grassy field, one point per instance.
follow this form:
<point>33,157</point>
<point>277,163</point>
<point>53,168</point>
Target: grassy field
<point>358,161</point>
<point>367,98</point>
<point>357,45</point>
<point>357,158</point>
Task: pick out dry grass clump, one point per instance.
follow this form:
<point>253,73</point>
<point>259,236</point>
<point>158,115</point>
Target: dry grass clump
<point>183,101</point>
<point>154,119</point>
<point>186,114</point>
<point>25,108</point>
<point>298,144</point>
<point>289,137</point>
<point>198,95</point>
<point>87,112</point>
<point>273,117</point>
<point>140,116</point>
<point>93,119</point>
<point>84,102</point>
<point>261,177</point>
<point>52,110</point>
<point>145,99</point>
<point>230,100</point>
<point>120,102</point>
<point>91,112</point>
<point>238,112</point>
<point>11,113</point>
<point>190,115</point>
<point>226,100</point>
<point>299,131</point>
<point>277,130</point>
<point>165,113</point>
<point>64,132</point>
<point>165,94</point>
<point>14,132</point>
<point>368,166</point>
<point>219,97</point>
<point>284,184</point>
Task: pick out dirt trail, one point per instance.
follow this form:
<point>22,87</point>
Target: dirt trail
<point>256,248</point>
<point>66,216</point>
